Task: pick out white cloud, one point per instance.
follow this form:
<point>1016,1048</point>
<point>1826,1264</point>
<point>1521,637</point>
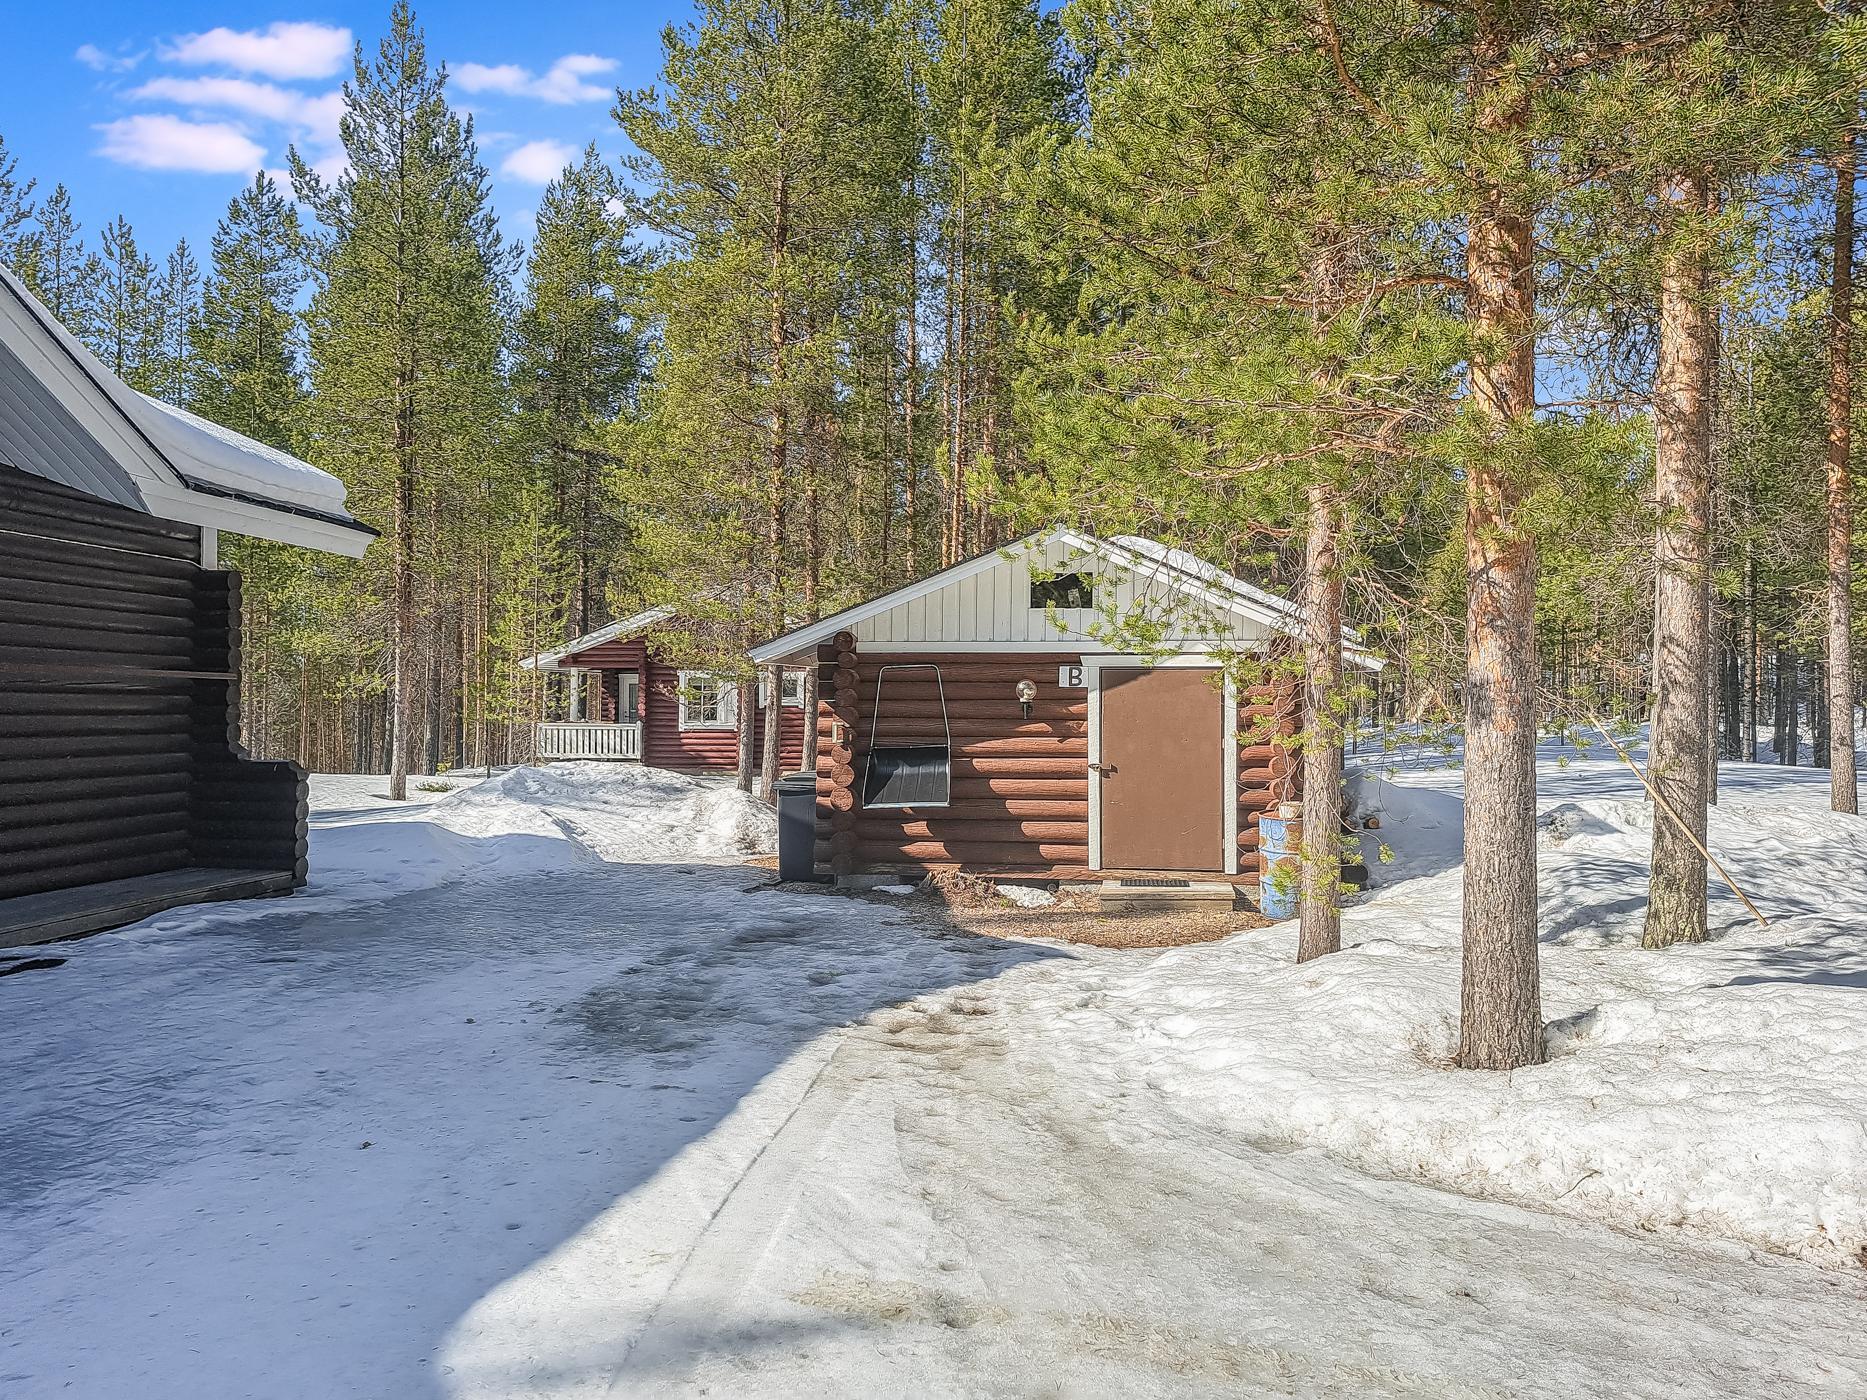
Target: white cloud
<point>314,116</point>
<point>163,142</point>
<point>98,61</point>
<point>283,49</point>
<point>538,162</point>
<point>562,83</point>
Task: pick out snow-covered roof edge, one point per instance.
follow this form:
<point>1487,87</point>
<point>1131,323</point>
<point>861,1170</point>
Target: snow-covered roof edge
<point>1154,560</point>
<point>622,627</point>
<point>185,467</point>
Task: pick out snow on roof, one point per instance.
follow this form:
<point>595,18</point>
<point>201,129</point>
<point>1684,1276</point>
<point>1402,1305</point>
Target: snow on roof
<point>205,451</point>
<point>622,627</point>
<point>183,466</point>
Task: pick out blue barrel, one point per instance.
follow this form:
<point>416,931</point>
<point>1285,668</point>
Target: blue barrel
<point>1280,868</point>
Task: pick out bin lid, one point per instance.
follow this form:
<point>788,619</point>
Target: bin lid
<point>797,783</point>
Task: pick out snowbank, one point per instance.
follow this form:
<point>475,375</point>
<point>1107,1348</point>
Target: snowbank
<point>528,820</point>
<point>1715,1088</point>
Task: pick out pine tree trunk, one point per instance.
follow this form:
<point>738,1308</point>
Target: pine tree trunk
<point>1843,786</point>
<point>774,735</point>
<point>1320,930</point>
<point>403,602</point>
<point>748,716</point>
<point>1500,1003</point>
<point>1676,911</point>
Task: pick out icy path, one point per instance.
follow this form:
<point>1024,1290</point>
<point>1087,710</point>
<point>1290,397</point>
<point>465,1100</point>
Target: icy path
<point>566,1128</point>
<point>946,1216</point>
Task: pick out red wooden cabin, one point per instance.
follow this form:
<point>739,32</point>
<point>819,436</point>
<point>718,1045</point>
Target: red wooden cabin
<point>628,703</point>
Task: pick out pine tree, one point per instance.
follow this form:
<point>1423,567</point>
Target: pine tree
<point>576,363</point>
<point>246,342</point>
<point>178,312</point>
<point>63,274</point>
<point>405,332</point>
<point>19,241</point>
<point>124,325</point>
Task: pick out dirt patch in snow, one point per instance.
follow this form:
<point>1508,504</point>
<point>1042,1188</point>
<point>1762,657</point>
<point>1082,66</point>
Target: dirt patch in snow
<point>972,905</point>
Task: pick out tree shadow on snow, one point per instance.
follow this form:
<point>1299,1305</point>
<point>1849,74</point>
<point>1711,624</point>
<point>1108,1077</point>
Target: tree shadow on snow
<point>278,1140</point>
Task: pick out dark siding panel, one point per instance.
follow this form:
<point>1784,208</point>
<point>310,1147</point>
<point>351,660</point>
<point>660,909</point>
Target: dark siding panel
<point>116,709</point>
<point>39,436</point>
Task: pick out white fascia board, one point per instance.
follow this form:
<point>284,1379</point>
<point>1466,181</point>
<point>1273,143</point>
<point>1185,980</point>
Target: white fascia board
<point>248,518</point>
<point>781,648</point>
<point>625,626</point>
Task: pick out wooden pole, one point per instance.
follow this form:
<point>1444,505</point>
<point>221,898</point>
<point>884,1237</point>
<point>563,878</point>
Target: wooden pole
<point>1667,807</point>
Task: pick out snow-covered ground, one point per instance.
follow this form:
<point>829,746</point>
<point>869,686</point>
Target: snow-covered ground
<point>535,1092</point>
<point>1714,1088</point>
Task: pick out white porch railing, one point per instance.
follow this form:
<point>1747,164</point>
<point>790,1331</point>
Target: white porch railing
<point>589,739</point>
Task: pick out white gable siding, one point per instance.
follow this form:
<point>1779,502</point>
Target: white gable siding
<point>992,606</point>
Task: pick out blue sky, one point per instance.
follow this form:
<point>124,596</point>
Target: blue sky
<point>161,113</point>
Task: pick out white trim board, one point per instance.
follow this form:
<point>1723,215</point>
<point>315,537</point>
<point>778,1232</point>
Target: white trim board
<point>1093,667</point>
<point>971,616</point>
<point>622,627</point>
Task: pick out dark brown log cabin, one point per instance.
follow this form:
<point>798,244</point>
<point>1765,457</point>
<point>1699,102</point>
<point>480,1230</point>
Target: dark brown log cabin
<point>1065,753</point>
<point>123,789</point>
<point>627,702</point>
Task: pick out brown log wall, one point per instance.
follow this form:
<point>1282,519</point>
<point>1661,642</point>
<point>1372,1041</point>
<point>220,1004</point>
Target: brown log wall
<point>1020,790</point>
<point>664,743</point>
<point>119,703</point>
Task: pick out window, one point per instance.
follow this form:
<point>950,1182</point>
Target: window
<point>708,701</point>
<point>1064,591</point>
<point>791,687</point>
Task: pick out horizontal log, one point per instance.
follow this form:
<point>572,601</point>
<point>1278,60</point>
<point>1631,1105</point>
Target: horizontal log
<point>988,807</point>
<point>1004,688</point>
<point>1022,789</point>
<point>46,698</point>
<point>19,771</point>
<point>1037,761</point>
<point>167,721</point>
<point>95,871</point>
<point>844,640</point>
<point>88,803</point>
<point>974,852</point>
<point>88,862</point>
<point>23,840</point>
<point>979,828</point>
<point>48,746</point>
<point>105,787</point>
<point>54,607</point>
<point>1002,708</point>
<point>971,671</point>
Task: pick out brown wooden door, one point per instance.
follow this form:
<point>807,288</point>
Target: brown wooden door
<point>1162,778</point>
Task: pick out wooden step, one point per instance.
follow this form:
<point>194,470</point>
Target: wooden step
<point>1155,896</point>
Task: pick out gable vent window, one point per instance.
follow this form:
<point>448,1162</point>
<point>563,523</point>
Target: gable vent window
<point>1064,591</point>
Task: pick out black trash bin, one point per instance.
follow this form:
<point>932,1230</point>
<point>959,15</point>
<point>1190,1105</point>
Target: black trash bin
<point>797,826</point>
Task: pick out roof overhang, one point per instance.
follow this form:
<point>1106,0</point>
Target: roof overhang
<point>622,628</point>
<point>1205,583</point>
<point>171,464</point>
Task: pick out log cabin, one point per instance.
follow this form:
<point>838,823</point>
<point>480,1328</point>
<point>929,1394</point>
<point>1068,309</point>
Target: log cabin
<point>629,702</point>
<point>123,787</point>
<point>991,718</point>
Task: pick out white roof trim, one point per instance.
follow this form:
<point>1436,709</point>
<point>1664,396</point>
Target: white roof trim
<point>1141,557</point>
<point>186,468</point>
<point>621,627</point>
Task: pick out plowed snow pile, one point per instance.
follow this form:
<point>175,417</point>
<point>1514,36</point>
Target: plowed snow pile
<point>527,820</point>
<point>1715,1087</point>
<point>619,812</point>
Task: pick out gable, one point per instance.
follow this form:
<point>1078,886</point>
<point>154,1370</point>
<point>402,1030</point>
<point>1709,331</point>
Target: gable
<point>987,603</point>
<point>39,435</point>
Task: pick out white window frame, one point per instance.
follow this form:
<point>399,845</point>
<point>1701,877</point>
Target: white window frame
<point>728,701</point>
<point>790,686</point>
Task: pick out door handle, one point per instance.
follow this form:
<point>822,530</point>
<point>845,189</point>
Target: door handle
<point>1103,768</point>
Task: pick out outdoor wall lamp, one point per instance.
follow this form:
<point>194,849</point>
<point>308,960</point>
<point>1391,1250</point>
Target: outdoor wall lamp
<point>1027,692</point>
